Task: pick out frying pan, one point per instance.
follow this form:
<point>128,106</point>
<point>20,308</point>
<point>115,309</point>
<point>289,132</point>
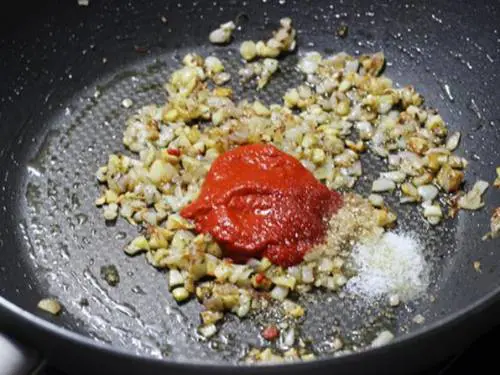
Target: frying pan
<point>54,134</point>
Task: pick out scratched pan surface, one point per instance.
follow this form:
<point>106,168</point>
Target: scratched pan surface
<point>54,134</point>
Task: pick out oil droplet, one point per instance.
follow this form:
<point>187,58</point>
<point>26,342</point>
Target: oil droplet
<point>63,251</point>
<point>55,229</point>
<point>138,290</point>
<point>448,92</point>
<point>75,201</point>
<point>120,236</point>
<point>81,218</point>
<point>436,18</point>
<point>475,108</point>
<point>214,345</point>
<point>35,172</point>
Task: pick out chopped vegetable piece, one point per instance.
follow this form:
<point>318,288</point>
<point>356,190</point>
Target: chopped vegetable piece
<point>208,330</point>
<point>495,223</point>
<point>477,266</point>
<point>180,294</point>
<point>419,319</point>
<point>473,199</point>
<point>127,103</point>
<point>223,34</point>
<point>383,338</point>
<point>342,31</point>
<point>270,333</point>
<point>50,305</point>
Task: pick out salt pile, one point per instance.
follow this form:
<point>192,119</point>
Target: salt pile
<point>390,264</point>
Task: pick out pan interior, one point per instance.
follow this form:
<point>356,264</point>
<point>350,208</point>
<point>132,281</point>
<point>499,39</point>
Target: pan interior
<point>65,240</point>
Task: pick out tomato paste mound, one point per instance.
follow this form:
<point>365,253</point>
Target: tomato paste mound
<point>259,201</point>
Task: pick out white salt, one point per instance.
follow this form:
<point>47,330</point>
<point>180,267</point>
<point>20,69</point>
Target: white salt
<point>391,264</point>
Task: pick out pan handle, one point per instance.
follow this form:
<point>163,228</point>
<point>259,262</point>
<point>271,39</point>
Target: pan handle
<point>15,359</point>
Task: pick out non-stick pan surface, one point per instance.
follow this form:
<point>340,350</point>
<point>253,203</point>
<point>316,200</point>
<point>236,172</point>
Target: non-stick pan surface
<point>54,133</point>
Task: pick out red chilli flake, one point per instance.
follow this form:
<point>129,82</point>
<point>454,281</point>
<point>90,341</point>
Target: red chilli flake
<point>174,151</point>
<point>271,333</point>
<point>260,278</point>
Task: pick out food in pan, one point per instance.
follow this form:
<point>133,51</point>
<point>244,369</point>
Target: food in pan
<point>222,34</point>
<point>248,204</point>
<point>282,41</point>
<point>494,225</point>
<point>50,305</point>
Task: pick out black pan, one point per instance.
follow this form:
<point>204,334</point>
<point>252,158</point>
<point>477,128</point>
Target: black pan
<point>54,134</point>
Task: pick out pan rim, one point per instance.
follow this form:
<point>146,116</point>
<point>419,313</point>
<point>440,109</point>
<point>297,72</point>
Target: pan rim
<point>26,317</point>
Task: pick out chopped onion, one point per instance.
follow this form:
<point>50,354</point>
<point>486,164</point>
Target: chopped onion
<point>309,64</point>
<point>432,213</point>
<point>452,142</point>
<point>207,330</point>
<point>307,275</point>
<point>279,293</point>
<point>394,300</point>
<point>382,185</point>
<point>351,66</point>
<point>472,200</point>
<point>127,103</point>
<point>383,338</point>
<point>396,176</point>
<point>50,305</point>
<point>393,160</point>
<point>175,278</point>
<point>376,200</point>
<point>428,192</point>
<point>289,338</point>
